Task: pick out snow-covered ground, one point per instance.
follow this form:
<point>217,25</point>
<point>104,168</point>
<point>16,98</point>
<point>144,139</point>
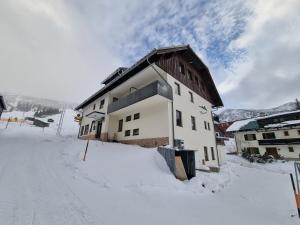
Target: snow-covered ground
<point>43,181</point>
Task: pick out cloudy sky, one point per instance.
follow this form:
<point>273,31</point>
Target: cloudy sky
<point>63,49</point>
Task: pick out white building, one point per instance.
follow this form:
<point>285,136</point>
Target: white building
<point>277,135</point>
<point>166,98</point>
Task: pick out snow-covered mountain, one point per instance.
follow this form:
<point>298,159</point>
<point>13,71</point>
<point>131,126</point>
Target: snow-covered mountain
<point>15,102</point>
<point>240,114</point>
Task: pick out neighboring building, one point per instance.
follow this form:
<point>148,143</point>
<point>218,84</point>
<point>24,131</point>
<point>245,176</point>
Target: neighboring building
<point>221,137</point>
<point>166,98</point>
<point>2,105</point>
<point>277,135</point>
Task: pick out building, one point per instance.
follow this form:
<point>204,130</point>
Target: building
<point>277,135</point>
<point>166,98</point>
<point>2,105</point>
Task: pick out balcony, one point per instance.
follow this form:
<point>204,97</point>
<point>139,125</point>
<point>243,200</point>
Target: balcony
<point>287,141</point>
<point>155,88</point>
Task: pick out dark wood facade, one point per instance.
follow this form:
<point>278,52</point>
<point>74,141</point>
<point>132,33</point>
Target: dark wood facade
<point>191,77</point>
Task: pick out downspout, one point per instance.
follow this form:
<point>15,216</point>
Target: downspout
<point>172,105</point>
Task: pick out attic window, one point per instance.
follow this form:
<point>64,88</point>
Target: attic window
<point>190,76</point>
<point>181,68</point>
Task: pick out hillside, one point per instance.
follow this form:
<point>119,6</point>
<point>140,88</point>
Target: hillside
<point>22,103</point>
<point>228,115</point>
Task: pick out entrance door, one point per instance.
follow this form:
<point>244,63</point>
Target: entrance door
<point>273,152</point>
<point>99,128</point>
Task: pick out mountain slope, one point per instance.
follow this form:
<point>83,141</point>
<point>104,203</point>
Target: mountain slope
<point>240,114</point>
<point>22,103</point>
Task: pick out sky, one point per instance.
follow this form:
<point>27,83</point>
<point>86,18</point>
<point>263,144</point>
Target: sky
<point>63,49</point>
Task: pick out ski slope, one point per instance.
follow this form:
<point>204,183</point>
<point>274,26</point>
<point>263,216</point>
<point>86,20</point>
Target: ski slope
<point>43,181</point>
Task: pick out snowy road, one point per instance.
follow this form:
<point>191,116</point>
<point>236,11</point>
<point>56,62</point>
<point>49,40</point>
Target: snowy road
<point>44,182</point>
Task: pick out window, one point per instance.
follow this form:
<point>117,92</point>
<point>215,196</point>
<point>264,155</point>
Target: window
<point>181,68</point>
<point>286,133</point>
<point>81,130</point>
<point>115,99</point>
<point>94,107</point>
<point>270,135</point>
<point>299,132</point>
<point>205,154</point>
<point>177,88</point>
<point>120,128</point>
<point>291,149</point>
<point>136,132</point>
<point>197,81</point>
<point>178,118</point>
<point>102,103</point>
<point>205,126</point>
<point>127,133</point>
<point>193,120</point>
<point>190,76</point>
<point>191,97</point>
<point>250,137</point>
<point>208,126</point>
<point>212,153</point>
<point>136,116</point>
<point>86,129</point>
<point>128,118</point>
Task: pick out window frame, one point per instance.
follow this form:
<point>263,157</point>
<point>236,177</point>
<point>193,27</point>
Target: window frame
<point>127,133</point>
<point>253,137</point>
<point>177,119</point>
<point>134,130</point>
<point>120,125</point>
<point>212,153</point>
<point>102,102</point>
<point>191,97</point>
<point>136,116</point>
<point>193,123</point>
<point>189,74</point>
<point>206,157</point>
<point>128,118</point>
<point>267,137</point>
<point>177,89</point>
<point>181,68</point>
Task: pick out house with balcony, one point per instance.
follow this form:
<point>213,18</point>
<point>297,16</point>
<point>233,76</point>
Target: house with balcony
<point>2,105</point>
<point>277,135</point>
<point>165,98</point>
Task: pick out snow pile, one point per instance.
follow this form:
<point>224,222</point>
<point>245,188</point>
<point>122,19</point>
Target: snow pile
<point>43,180</point>
<point>230,146</point>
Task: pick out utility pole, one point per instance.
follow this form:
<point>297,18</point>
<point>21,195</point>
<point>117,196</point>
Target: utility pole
<point>62,115</point>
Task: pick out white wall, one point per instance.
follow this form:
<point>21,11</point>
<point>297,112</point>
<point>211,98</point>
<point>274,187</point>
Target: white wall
<point>194,139</point>
<point>153,122</point>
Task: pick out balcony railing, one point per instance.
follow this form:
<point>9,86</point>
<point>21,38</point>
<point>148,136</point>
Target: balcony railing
<point>286,141</point>
<point>155,88</point>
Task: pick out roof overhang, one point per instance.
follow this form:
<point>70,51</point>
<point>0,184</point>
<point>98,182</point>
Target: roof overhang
<point>96,115</point>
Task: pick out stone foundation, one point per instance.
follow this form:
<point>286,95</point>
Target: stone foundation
<point>104,137</point>
<point>148,142</point>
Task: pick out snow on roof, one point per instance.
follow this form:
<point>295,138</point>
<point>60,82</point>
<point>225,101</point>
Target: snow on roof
<point>237,125</point>
<point>283,124</point>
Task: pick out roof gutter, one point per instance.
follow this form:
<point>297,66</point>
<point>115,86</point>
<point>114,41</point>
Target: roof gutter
<point>172,105</point>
